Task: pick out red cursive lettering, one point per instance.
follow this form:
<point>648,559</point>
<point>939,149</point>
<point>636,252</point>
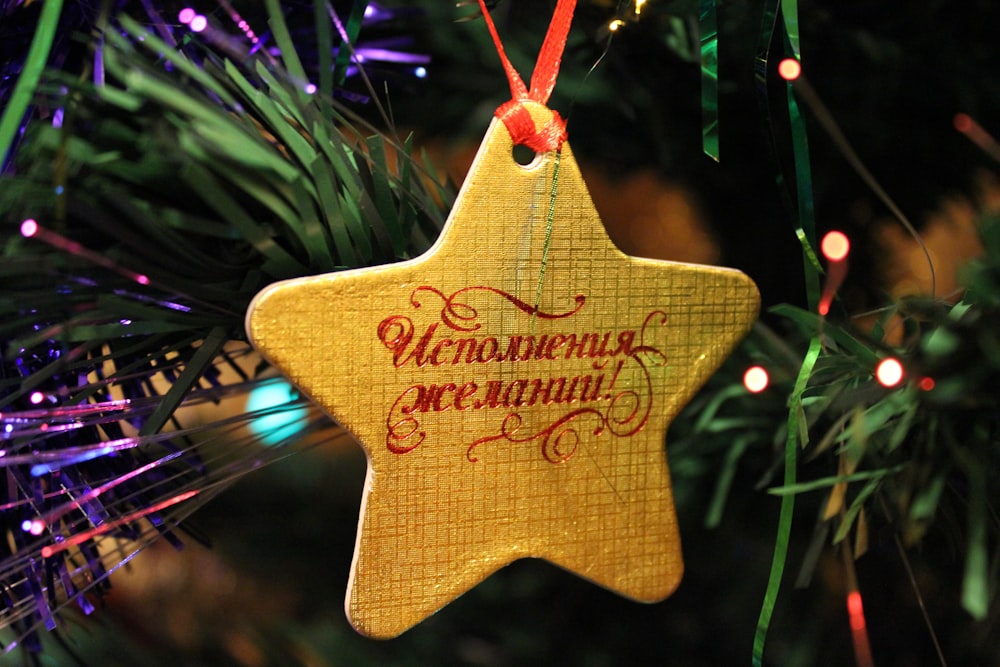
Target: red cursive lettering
<point>599,406</point>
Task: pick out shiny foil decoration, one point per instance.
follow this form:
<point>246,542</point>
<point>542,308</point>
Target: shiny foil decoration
<point>511,387</point>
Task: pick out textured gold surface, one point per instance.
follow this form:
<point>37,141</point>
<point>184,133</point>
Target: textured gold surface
<point>456,371</point>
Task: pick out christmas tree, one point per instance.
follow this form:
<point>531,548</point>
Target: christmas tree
<point>163,163</point>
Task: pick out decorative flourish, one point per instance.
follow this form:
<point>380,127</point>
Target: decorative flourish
<point>559,440</point>
<point>554,449</point>
<point>406,429</point>
<point>461,316</point>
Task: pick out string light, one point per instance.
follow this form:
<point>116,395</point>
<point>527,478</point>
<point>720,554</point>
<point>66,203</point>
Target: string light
<point>198,23</point>
<point>977,134</point>
<point>240,22</point>
<point>859,630</point>
<point>835,247</point>
<point>790,69</point>
<point>756,379</point>
<point>192,19</point>
<point>926,384</point>
<point>279,412</point>
<point>639,4</point>
<point>856,610</point>
<point>33,526</point>
<point>616,25</point>
<point>889,372</point>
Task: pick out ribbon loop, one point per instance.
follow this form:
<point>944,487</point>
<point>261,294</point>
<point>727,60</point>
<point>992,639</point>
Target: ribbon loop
<point>543,80</point>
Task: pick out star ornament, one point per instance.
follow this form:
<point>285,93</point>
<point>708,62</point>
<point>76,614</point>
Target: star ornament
<point>511,388</point>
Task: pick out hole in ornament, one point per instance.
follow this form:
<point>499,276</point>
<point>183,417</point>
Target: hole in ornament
<point>524,156</point>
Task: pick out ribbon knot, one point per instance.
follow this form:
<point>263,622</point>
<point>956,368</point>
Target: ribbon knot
<point>522,128</point>
<point>514,114</point>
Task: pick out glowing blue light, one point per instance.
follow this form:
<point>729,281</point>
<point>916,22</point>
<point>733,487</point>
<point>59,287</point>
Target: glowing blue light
<point>284,412</point>
<point>420,72</point>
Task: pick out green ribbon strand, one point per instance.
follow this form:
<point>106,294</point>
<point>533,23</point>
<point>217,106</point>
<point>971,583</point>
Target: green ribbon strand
<point>708,35</point>
<point>34,64</point>
<point>790,17</point>
<point>802,211</point>
<point>796,438</point>
<point>806,230</point>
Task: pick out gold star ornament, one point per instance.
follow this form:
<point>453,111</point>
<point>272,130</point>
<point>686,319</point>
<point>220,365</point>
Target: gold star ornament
<point>511,388</point>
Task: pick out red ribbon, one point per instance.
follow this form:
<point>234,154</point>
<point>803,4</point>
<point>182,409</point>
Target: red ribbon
<point>513,113</point>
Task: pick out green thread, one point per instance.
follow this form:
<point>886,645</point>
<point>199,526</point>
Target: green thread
<point>549,219</point>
